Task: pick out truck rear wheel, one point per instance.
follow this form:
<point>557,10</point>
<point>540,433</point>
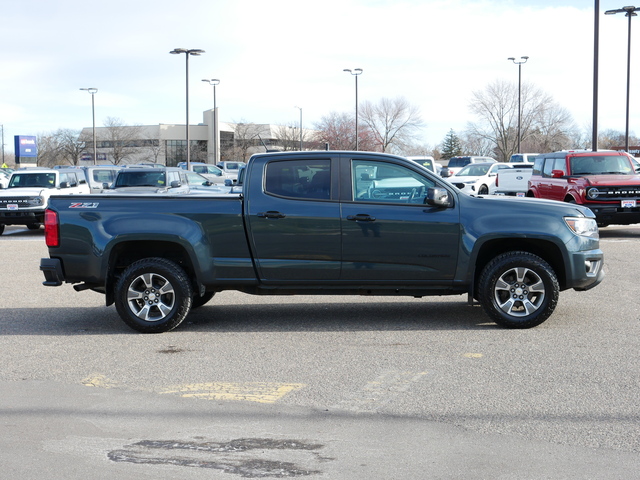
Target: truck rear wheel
<point>518,290</point>
<point>153,295</point>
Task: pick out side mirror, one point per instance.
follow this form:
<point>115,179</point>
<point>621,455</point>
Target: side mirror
<point>228,182</point>
<point>557,173</point>
<point>64,184</point>
<point>105,185</point>
<point>175,184</point>
<point>438,197</point>
<point>207,183</point>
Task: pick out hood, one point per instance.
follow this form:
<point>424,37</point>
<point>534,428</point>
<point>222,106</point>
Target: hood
<point>529,204</point>
<point>610,180</point>
<point>23,191</point>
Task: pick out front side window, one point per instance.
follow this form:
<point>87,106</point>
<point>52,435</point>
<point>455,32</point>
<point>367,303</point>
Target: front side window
<point>299,179</point>
<point>375,181</point>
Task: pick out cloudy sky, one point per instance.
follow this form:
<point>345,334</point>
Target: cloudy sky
<point>274,56</point>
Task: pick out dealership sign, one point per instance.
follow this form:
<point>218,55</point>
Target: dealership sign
<point>26,146</point>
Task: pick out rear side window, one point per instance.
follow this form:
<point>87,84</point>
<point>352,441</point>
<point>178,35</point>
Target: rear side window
<point>299,179</point>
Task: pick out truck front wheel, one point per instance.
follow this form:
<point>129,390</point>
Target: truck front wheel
<point>153,295</point>
<point>518,290</point>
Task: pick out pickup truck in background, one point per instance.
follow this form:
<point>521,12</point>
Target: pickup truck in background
<point>605,181</point>
<point>325,223</point>
<point>513,181</point>
<point>27,195</point>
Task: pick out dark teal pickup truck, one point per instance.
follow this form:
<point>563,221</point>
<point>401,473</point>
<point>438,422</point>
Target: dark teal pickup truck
<point>326,222</point>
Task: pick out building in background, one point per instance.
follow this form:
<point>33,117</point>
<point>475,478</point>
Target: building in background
<point>165,144</point>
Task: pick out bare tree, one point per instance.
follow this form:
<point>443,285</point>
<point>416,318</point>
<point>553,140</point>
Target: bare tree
<point>120,141</point>
<point>62,147</point>
<point>337,130</point>
<point>544,124</point>
<point>246,137</point>
<point>288,137</point>
<point>394,123</point>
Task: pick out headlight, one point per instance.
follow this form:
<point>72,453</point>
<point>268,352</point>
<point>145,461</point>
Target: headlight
<point>585,227</point>
<point>36,201</point>
<point>593,193</point>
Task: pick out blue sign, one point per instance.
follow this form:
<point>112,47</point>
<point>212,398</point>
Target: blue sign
<point>25,146</point>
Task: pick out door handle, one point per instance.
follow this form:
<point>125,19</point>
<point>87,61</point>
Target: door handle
<point>271,214</point>
<point>361,217</point>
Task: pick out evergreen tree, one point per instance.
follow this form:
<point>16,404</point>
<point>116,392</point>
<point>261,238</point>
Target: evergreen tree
<point>451,147</point>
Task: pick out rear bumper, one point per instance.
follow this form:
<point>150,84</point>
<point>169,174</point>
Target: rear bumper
<point>52,270</point>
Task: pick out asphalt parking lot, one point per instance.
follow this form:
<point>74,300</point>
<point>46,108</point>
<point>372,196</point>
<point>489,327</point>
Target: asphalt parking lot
<point>330,387</point>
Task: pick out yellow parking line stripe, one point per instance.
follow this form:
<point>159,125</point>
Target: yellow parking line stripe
<point>262,392</point>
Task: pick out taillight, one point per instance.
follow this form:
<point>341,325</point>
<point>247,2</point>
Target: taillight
<point>51,229</point>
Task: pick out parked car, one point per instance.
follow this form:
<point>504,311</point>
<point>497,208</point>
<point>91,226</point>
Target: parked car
<point>231,168</point>
<point>605,181</point>
<point>26,197</point>
<point>523,157</point>
<point>427,162</point>
<point>478,178</point>
<point>149,180</point>
<point>211,172</point>
<point>100,177</point>
<point>4,178</point>
<point>513,181</point>
<point>456,163</point>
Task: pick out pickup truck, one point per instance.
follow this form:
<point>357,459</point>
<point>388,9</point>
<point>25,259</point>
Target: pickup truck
<point>25,199</point>
<point>512,181</point>
<point>325,223</point>
<point>605,181</point>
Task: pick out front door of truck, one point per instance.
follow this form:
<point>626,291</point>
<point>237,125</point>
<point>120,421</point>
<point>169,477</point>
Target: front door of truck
<point>293,221</point>
<point>389,233</point>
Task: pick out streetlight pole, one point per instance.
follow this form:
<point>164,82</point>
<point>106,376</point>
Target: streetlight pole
<point>519,63</point>
<point>187,52</point>
<point>355,72</point>
<point>93,92</point>
<point>300,108</point>
<point>629,12</point>
<point>216,150</point>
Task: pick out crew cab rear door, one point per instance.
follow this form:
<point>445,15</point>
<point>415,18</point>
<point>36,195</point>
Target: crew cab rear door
<point>293,219</point>
<point>388,232</point>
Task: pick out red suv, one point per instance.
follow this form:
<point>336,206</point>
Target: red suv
<point>606,182</point>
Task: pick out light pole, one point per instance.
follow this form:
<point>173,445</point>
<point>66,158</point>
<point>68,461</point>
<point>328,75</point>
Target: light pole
<point>93,92</point>
<point>188,53</point>
<point>355,72</point>
<point>629,12</point>
<point>519,63</point>
<point>216,150</point>
<point>300,108</point>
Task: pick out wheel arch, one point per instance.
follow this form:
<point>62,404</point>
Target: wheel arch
<point>543,248</point>
<point>125,253</point>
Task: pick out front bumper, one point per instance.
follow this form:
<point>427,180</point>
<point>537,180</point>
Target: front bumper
<point>21,217</point>
<point>587,269</point>
<point>607,214</point>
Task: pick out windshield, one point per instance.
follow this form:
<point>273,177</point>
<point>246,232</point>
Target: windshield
<point>40,180</point>
<point>601,165</point>
<point>473,170</point>
<point>140,179</point>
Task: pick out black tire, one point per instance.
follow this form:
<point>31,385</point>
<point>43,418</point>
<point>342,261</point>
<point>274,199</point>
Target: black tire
<point>518,290</point>
<point>483,190</point>
<point>199,301</point>
<point>33,226</point>
<point>1,229</point>
<point>153,295</point>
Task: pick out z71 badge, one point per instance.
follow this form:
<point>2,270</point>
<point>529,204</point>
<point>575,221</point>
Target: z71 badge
<point>84,205</point>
